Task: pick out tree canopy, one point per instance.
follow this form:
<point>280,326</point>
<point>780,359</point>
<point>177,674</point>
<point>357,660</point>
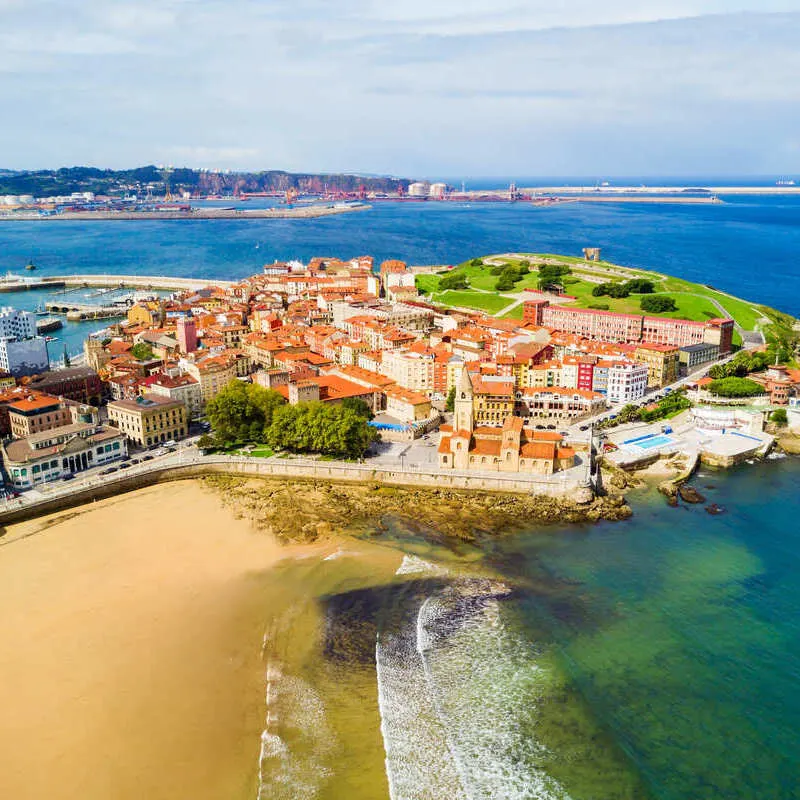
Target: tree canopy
<point>315,427</point>
<point>743,363</point>
<point>142,351</point>
<point>242,412</point>
<point>735,387</point>
<point>658,303</point>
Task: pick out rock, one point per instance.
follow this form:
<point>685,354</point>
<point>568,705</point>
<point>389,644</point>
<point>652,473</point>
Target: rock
<point>619,480</point>
<point>715,509</point>
<point>690,495</point>
<point>668,489</point>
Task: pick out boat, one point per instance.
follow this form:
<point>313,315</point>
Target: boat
<point>30,266</point>
<point>41,311</point>
<point>51,338</point>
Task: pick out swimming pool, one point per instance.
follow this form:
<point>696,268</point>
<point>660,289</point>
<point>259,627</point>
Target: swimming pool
<point>650,442</point>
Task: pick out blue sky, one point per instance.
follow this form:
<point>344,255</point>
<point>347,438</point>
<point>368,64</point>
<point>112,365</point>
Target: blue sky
<point>410,87</point>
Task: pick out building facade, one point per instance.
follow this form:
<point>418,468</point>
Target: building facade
<point>50,455</point>
<point>627,382</point>
<point>149,419</point>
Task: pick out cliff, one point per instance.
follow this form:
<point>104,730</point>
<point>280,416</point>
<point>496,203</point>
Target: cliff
<point>49,183</point>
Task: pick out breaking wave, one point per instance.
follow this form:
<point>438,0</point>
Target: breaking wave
<point>296,741</point>
<point>458,692</point>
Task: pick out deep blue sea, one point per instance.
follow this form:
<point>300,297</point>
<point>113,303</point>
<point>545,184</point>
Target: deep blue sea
<point>680,631</point>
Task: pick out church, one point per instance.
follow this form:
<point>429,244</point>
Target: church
<point>510,447</point>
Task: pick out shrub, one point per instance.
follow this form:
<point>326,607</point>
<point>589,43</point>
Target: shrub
<point>657,304</point>
<point>779,416</point>
<point>640,286</point>
<point>599,306</point>
<point>142,352</point>
<point>735,387</point>
<point>454,280</point>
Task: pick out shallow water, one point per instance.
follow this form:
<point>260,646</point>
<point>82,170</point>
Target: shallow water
<point>653,658</point>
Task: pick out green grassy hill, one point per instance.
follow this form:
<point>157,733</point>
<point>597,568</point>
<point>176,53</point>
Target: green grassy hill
<point>694,301</point>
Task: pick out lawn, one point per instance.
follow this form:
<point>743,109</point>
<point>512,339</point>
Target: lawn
<point>240,449</point>
<point>693,300</point>
<point>490,303</point>
<point>427,283</point>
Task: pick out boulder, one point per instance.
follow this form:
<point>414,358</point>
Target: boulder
<point>690,495</point>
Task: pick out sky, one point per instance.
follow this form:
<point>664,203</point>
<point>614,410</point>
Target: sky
<point>416,88</point>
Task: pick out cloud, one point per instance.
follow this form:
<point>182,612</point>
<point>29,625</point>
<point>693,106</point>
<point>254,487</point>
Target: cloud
<point>510,86</point>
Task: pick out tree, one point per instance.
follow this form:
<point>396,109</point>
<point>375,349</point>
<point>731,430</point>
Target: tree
<point>142,351</point>
<point>454,280</point>
<point>450,403</point>
<point>779,416</point>
<point>640,286</point>
<point>361,407</point>
<point>549,274</point>
<point>242,412</point>
<point>735,387</point>
<point>206,442</point>
<point>612,289</point>
<point>320,428</point>
<point>658,303</point>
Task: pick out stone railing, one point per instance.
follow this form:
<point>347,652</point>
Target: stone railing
<point>189,465</point>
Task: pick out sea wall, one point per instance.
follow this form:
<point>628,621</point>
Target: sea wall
<point>282,469</point>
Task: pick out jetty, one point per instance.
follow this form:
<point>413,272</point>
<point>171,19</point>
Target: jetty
<point>106,281</point>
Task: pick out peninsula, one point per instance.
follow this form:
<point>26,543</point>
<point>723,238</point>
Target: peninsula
<point>519,374</point>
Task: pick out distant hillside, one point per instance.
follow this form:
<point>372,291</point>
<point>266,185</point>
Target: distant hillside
<point>48,183</point>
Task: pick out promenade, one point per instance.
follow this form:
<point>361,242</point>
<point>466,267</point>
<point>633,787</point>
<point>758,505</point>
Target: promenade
<point>188,462</point>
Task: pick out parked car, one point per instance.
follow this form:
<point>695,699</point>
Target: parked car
<point>551,427</point>
<point>147,458</point>
<point>584,428</point>
<point>124,466</point>
<point>68,477</point>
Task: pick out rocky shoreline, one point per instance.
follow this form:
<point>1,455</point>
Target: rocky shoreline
<point>307,510</point>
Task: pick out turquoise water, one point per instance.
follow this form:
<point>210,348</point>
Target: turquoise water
<point>651,442</point>
<point>682,631</point>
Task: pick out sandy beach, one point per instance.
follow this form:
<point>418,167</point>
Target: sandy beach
<point>131,663</point>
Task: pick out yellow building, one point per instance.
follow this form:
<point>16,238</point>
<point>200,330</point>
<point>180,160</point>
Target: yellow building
<point>149,419</point>
<point>149,314</point>
<point>213,373</point>
<point>662,363</point>
<point>493,400</point>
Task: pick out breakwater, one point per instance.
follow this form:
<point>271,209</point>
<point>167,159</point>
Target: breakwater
<point>306,212</point>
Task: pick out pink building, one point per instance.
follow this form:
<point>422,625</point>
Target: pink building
<point>187,334</point>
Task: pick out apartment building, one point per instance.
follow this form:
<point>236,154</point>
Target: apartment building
<point>149,419</point>
<point>627,382</point>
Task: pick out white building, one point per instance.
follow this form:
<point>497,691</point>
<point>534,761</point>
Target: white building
<point>627,382</point>
<point>24,356</point>
<point>49,455</point>
<point>16,324</point>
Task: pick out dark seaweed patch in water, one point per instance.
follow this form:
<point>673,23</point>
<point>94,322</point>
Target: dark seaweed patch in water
<point>353,618</point>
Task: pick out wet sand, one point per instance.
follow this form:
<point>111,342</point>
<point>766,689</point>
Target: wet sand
<point>131,650</point>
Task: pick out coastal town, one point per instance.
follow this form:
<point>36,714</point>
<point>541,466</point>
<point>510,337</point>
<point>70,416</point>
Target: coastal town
<point>443,391</point>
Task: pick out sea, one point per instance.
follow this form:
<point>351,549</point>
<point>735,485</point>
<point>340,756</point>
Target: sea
<point>653,658</point>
